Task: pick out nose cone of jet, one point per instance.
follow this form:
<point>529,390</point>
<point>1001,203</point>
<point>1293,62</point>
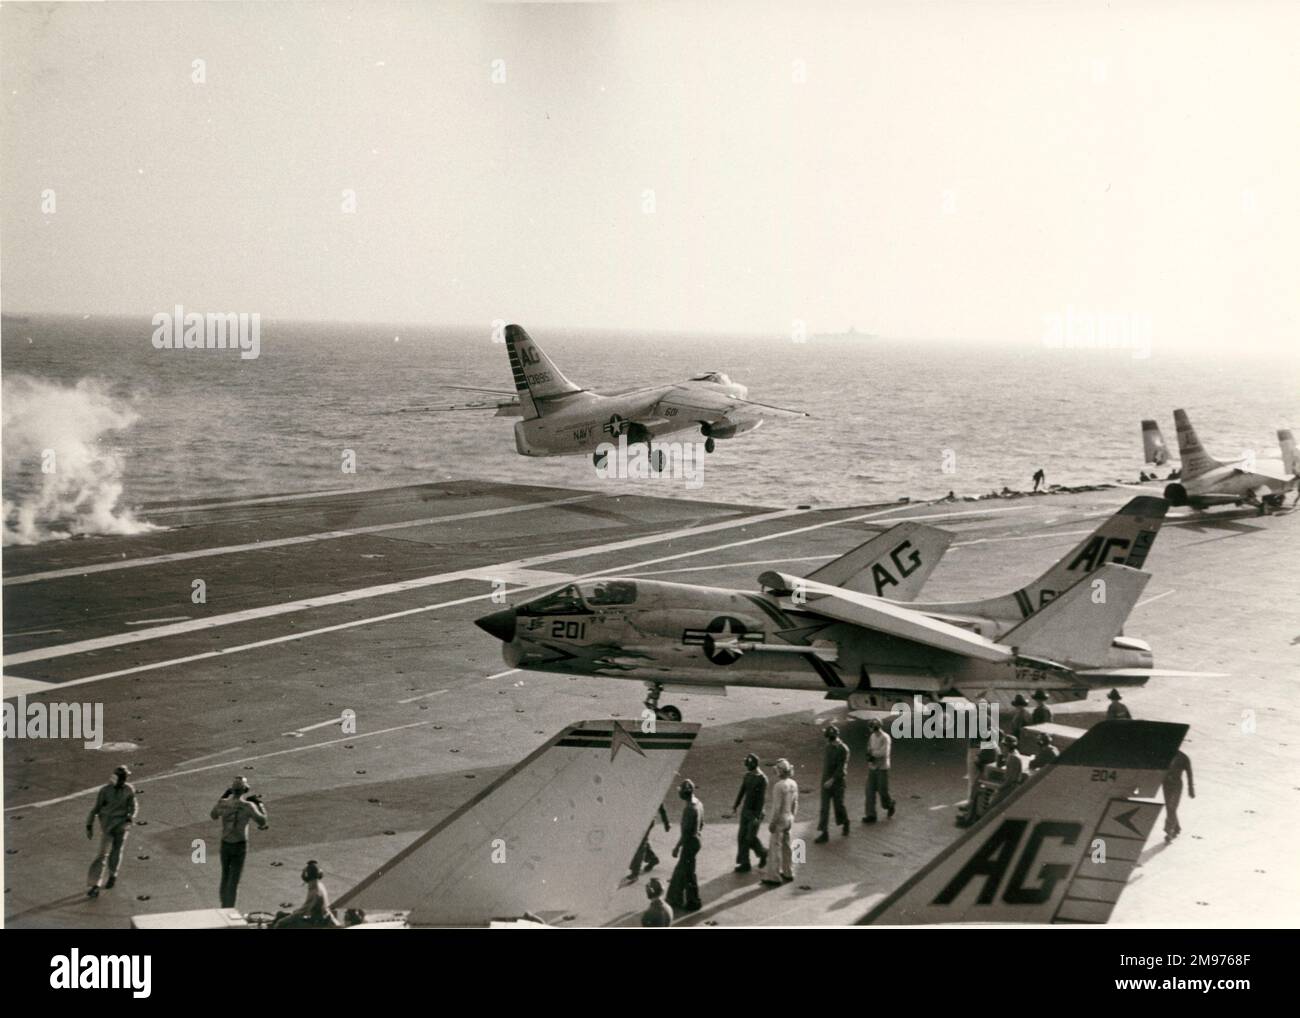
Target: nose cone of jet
<point>499,624</point>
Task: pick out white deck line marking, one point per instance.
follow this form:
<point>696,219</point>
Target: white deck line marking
<point>210,756</point>
<point>16,685</point>
<point>1150,599</point>
<point>243,759</point>
<point>312,728</point>
<point>35,632</point>
<point>150,622</point>
<point>422,696</point>
<point>281,542</point>
<point>264,500</point>
<point>272,610</point>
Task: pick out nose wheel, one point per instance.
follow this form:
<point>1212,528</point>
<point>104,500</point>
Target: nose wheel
<point>710,445</point>
<point>665,713</point>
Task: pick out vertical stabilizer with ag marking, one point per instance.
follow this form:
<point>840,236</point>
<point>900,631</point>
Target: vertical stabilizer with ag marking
<point>1059,849</point>
<point>893,564</point>
<point>1124,538</point>
<point>1196,461</point>
<point>551,836</point>
<point>537,379</point>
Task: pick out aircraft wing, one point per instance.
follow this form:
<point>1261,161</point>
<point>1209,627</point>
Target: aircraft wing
<point>551,837</point>
<point>1060,848</point>
<point>503,407</point>
<point>704,404</point>
<point>858,609</point>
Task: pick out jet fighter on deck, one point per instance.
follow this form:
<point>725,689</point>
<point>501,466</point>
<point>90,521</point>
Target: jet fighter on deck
<point>564,419</point>
<point>811,634</point>
<point>1205,481</point>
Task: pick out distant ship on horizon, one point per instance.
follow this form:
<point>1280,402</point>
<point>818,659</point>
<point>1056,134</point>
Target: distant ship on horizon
<point>850,333</point>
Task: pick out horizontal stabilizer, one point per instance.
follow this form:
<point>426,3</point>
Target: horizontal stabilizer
<point>1060,848</point>
<point>551,836</point>
<point>1077,628</point>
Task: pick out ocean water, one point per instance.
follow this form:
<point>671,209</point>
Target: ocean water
<point>130,425</point>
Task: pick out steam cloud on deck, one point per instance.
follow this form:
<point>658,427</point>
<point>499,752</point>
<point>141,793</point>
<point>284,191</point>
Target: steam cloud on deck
<point>62,478</point>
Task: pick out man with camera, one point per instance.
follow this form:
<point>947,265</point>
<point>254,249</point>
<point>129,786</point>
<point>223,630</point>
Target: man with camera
<point>236,808</point>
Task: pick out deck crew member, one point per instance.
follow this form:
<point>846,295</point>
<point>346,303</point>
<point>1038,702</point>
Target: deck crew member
<point>1019,717</point>
<point>1039,478</point>
<point>1046,755</point>
<point>657,913</point>
<point>1117,711</point>
<point>835,772</point>
<point>683,888</point>
<point>236,809</point>
<point>115,807</point>
<point>1012,768</point>
<point>315,911</point>
<point>879,746</point>
<point>1173,788</point>
<point>750,801</point>
<point>785,805</point>
<point>1042,713</point>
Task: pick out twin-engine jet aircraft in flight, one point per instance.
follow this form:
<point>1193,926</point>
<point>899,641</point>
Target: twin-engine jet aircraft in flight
<point>1205,481</point>
<point>564,419</point>
<point>832,632</point>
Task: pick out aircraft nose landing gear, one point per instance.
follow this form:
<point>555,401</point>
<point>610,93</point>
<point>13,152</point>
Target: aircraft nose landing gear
<point>666,713</point>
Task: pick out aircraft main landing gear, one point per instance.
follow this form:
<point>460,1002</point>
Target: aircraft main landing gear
<point>665,713</point>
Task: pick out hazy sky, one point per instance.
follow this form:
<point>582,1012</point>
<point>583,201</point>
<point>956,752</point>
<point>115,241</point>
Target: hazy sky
<point>943,168</point>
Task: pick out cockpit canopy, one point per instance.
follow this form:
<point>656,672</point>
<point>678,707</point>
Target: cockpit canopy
<point>712,376</point>
<point>587,596</point>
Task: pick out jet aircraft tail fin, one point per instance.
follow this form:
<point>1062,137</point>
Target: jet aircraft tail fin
<point>1125,537</point>
<point>1153,444</point>
<point>1196,461</point>
<point>1057,850</point>
<point>893,564</point>
<point>1290,461</point>
<point>537,379</point>
<point>552,836</point>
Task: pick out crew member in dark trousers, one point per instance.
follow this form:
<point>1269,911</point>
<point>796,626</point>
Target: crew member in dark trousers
<point>1173,786</point>
<point>879,745</point>
<point>1117,711</point>
<point>1042,713</point>
<point>236,809</point>
<point>750,801</point>
<point>1039,478</point>
<point>683,888</point>
<point>1019,717</point>
<point>115,807</point>
<point>645,858</point>
<point>835,772</point>
<point>1012,768</point>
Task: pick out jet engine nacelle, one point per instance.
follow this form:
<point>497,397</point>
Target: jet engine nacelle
<point>1176,494</point>
<point>721,431</point>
